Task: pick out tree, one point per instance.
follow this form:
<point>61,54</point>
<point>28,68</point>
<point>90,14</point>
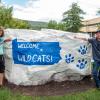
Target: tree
<point>73,18</point>
<point>98,13</point>
<point>20,24</point>
<point>5,16</point>
<point>61,26</point>
<point>52,24</point>
<point>7,21</point>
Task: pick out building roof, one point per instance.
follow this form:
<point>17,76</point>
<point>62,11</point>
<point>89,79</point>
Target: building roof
<point>91,21</point>
<point>89,29</point>
<point>90,25</point>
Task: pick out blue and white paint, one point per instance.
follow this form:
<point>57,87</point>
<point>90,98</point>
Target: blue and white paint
<point>69,58</point>
<point>36,53</point>
<point>81,64</point>
<point>82,50</point>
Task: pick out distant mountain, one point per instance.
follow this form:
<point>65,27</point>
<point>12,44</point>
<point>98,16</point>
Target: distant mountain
<point>37,24</point>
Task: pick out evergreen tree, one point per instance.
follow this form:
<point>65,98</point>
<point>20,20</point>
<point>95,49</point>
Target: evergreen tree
<point>73,18</point>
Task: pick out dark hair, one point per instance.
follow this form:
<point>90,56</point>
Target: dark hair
<point>98,31</point>
<point>2,29</point>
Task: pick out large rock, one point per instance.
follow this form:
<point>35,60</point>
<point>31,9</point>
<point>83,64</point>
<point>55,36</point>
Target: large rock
<point>59,56</point>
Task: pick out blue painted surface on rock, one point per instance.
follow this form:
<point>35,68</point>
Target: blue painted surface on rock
<point>36,53</point>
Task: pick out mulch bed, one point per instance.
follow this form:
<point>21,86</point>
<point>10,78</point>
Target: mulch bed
<point>53,88</point>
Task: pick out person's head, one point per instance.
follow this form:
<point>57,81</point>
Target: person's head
<point>98,34</point>
<point>1,32</point>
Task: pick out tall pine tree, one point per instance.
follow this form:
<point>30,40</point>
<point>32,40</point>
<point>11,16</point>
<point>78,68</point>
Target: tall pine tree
<point>73,18</point>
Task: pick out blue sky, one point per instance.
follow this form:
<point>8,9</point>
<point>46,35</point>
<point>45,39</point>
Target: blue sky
<point>11,2</point>
<point>45,10</point>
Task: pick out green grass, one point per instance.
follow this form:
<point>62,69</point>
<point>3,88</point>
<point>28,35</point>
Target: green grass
<point>6,94</point>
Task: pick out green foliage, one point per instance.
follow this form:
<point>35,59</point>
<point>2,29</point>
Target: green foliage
<point>52,24</point>
<point>5,16</point>
<point>71,22</point>
<point>61,26</point>
<point>73,18</point>
<point>98,13</point>
<point>20,24</point>
<point>7,21</point>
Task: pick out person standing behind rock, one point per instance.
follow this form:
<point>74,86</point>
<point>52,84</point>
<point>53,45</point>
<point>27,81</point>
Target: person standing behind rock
<point>95,42</point>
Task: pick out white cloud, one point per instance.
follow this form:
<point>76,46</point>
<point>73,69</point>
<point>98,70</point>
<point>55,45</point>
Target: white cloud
<point>32,3</point>
<point>90,7</point>
<point>45,10</point>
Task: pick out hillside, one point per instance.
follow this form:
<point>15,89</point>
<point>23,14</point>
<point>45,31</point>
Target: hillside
<point>37,24</point>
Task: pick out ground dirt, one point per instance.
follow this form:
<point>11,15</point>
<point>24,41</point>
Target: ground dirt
<point>53,88</point>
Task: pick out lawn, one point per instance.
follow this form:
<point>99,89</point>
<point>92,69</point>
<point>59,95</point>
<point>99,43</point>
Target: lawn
<point>93,94</point>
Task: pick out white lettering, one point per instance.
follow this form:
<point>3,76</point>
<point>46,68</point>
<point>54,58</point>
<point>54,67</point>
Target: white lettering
<point>28,45</point>
<point>35,58</point>
<point>20,58</point>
